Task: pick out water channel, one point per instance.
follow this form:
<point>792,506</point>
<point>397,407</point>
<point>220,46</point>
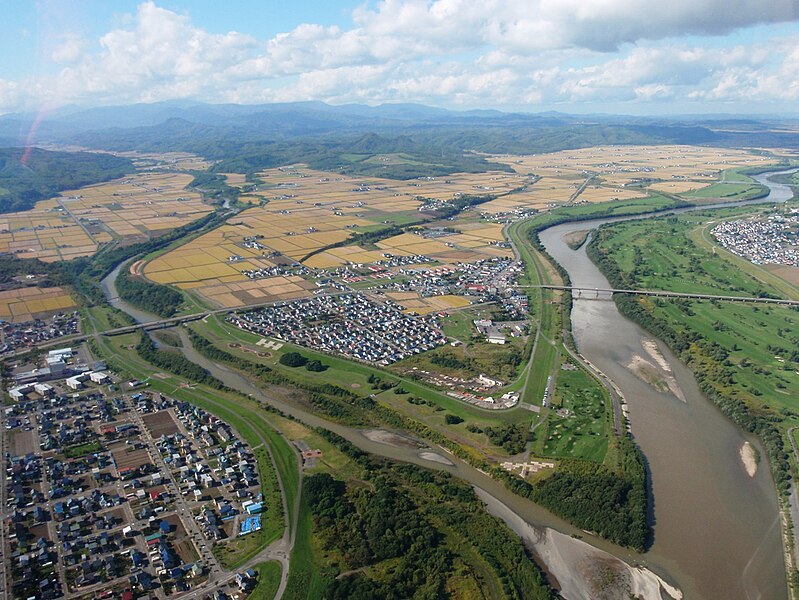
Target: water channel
<point>717,531</point>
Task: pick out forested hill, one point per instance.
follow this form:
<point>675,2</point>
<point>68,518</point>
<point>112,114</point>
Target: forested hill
<point>29,175</point>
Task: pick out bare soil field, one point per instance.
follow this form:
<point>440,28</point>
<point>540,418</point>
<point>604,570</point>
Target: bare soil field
<point>160,423</point>
<point>22,442</point>
<point>125,457</point>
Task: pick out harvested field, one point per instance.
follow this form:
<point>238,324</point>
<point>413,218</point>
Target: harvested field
<point>130,209</point>
<point>788,273</point>
<point>125,456</point>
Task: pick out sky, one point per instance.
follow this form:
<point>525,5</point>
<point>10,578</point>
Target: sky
<point>646,57</point>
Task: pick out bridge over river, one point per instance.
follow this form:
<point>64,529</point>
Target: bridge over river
<point>585,292</point>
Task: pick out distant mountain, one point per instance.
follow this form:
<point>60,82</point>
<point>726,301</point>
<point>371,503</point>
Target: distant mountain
<point>252,136</point>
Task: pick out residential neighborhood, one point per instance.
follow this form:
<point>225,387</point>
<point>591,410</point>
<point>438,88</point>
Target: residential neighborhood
<point>112,489</point>
<point>772,240</point>
<point>349,324</point>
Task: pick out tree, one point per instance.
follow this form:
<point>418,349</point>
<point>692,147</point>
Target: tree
<point>293,359</point>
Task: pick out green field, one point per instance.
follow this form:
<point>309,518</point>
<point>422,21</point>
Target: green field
<point>727,191</point>
<point>582,428</point>
<point>268,581</point>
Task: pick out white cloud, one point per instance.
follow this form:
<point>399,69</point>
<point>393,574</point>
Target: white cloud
<point>492,53</point>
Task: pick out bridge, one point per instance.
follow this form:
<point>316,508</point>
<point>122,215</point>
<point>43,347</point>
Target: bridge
<point>579,291</point>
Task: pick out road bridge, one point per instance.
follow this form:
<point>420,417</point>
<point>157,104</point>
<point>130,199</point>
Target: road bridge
<point>581,292</point>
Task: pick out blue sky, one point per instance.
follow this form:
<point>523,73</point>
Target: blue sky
<point>624,56</point>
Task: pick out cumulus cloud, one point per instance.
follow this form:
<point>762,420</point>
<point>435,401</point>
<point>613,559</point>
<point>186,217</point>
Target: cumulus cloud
<point>493,53</point>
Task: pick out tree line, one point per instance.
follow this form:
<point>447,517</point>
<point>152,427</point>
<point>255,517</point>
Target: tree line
<point>28,175</point>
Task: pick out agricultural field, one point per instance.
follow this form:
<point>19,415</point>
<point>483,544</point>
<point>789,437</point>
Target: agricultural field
<point>132,209</point>
<point>298,213</point>
<point>173,161</point>
<point>413,302</point>
<point>26,304</point>
<point>135,208</point>
<point>45,232</point>
<point>625,172</point>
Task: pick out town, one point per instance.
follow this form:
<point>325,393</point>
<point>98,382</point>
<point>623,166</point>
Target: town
<point>348,324</point>
<point>112,488</point>
<point>762,241</point>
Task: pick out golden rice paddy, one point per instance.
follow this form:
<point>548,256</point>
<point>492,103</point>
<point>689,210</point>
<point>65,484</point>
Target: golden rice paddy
<point>134,208</point>
<point>26,304</point>
<point>296,212</point>
<point>413,302</point>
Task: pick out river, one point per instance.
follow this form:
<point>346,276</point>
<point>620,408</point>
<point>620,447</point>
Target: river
<point>716,529</point>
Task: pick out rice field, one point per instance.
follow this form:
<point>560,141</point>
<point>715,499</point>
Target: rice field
<point>134,208</point>
<point>674,169</point>
<point>26,304</point>
<point>296,212</point>
<point>414,303</point>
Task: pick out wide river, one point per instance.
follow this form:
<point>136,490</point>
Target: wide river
<point>717,531</point>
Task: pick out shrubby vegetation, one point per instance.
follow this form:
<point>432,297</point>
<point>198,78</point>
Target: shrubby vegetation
<point>293,359</point>
<point>418,521</point>
<point>608,500</point>
<point>175,363</point>
<point>511,438</point>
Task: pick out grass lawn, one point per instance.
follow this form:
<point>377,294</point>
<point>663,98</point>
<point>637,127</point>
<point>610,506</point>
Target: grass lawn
<point>306,580</point>
<point>726,191</point>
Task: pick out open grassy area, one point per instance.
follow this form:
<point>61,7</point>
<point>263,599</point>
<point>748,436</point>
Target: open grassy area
<point>659,254</point>
<point>268,581</point>
<point>306,580</point>
<point>579,421</point>
<point>727,191</point>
